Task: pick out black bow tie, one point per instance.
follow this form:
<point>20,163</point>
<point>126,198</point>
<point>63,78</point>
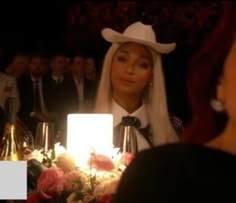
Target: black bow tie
<point>130,121</point>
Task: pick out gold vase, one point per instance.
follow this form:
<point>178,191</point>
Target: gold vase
<point>9,148</point>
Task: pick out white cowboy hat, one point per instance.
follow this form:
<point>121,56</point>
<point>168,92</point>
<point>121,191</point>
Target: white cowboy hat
<point>140,33</point>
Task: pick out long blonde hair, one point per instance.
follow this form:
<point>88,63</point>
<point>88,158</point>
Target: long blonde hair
<point>154,100</point>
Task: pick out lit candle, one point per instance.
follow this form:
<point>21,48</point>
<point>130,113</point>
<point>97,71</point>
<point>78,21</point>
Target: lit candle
<point>88,133</point>
<point>46,139</point>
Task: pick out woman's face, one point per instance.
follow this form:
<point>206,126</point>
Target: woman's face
<point>227,84</point>
<point>131,69</point>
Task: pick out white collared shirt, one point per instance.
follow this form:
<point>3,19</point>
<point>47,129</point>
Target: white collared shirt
<point>58,79</point>
<point>118,112</point>
<point>80,88</point>
<point>40,85</point>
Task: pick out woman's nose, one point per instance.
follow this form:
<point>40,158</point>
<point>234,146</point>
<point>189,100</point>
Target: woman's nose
<point>130,68</point>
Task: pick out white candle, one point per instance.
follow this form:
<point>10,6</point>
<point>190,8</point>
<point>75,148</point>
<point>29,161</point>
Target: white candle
<point>88,133</point>
<point>46,139</point>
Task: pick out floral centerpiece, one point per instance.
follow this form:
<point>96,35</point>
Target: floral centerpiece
<point>55,177</point>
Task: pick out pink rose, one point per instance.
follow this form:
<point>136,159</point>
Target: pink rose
<point>102,162</point>
<point>104,199</point>
<point>34,198</point>
<point>88,198</point>
<point>127,158</point>
<point>50,182</point>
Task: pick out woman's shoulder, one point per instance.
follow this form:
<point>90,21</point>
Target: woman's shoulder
<point>170,169</point>
<point>188,153</point>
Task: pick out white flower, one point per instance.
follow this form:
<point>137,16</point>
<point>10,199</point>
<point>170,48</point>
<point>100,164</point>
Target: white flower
<point>59,149</point>
<point>36,154</point>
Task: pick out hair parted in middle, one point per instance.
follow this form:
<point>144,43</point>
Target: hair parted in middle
<point>154,98</point>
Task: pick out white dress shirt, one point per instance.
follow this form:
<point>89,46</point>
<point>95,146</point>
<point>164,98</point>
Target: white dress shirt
<point>58,79</point>
<point>40,86</point>
<point>80,91</point>
<point>118,112</point>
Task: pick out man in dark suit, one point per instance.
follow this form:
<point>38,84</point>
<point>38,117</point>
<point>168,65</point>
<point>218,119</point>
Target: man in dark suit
<point>86,89</point>
<point>31,91</point>
<point>60,92</point>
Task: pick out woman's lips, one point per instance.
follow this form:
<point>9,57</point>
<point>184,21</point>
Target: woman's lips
<point>127,81</point>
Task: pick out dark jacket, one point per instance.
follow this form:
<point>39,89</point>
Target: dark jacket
<point>176,173</point>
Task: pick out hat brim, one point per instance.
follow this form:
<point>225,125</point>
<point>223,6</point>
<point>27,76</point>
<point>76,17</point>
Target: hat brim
<point>116,37</point>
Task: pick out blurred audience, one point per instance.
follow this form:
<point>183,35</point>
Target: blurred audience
<point>84,75</point>
<point>60,92</point>
<point>31,91</point>
<point>18,65</point>
<point>90,69</point>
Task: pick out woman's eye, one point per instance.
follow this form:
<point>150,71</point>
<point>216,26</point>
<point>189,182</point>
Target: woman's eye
<point>121,59</point>
<point>144,65</point>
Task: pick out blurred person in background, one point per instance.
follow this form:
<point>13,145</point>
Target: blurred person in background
<point>8,88</point>
<point>31,90</point>
<point>84,76</point>
<point>59,92</point>
<point>18,65</point>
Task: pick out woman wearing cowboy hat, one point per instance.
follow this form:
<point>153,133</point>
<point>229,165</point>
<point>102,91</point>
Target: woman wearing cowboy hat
<point>132,83</point>
<point>184,172</point>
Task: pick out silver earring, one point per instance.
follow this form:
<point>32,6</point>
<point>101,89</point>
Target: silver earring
<point>217,105</point>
